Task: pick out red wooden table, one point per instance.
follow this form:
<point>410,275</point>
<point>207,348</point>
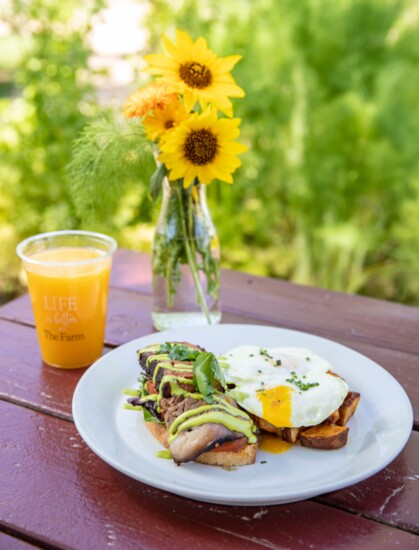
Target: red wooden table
<point>56,493</point>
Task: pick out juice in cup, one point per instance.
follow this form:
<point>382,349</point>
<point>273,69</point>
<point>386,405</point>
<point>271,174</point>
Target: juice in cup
<point>68,278</point>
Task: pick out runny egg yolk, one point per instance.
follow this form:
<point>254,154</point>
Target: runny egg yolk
<point>276,405</point>
<point>273,444</point>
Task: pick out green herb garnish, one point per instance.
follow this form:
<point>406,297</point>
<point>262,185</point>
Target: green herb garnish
<point>264,352</point>
<point>179,352</point>
<point>207,375</point>
<point>303,386</point>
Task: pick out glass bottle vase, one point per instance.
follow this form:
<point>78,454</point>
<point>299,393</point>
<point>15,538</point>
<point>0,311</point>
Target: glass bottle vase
<point>185,260</point>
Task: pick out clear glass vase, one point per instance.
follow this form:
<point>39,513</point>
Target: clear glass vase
<point>186,260</point>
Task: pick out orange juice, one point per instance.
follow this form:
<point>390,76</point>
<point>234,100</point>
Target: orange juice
<point>69,292</point>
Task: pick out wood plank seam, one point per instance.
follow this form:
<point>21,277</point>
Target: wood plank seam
<point>323,500</point>
<point>309,329</point>
<point>24,404</point>
<point>19,535</point>
<point>16,321</point>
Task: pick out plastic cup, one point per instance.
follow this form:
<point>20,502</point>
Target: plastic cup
<point>68,279</point>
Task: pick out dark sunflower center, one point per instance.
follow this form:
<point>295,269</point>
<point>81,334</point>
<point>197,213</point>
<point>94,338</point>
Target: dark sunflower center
<point>195,75</point>
<point>169,124</point>
<point>201,147</point>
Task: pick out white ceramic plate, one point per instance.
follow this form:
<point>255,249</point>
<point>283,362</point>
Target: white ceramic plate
<point>378,432</point>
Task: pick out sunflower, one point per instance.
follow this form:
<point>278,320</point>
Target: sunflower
<point>202,147</point>
<point>163,120</point>
<point>153,97</point>
<point>196,72</point>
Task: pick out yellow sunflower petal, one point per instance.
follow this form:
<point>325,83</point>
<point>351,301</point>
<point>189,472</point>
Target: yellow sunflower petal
<point>237,148</point>
<point>172,49</point>
<point>232,90</point>
<point>184,39</point>
<point>225,106</point>
<point>190,100</point>
<point>201,49</point>
<point>190,175</point>
<point>188,179</point>
<point>178,171</point>
<point>231,163</point>
<point>225,64</point>
<point>228,132</point>
<point>212,174</point>
<point>158,64</point>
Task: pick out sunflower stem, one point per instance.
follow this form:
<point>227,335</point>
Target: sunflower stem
<point>191,255</point>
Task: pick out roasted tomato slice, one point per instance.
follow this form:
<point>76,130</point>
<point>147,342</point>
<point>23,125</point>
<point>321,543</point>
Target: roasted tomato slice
<point>231,446</point>
<point>151,388</point>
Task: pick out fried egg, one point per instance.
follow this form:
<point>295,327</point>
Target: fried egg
<point>288,387</point>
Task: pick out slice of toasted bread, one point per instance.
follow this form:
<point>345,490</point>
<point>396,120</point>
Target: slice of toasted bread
<point>229,459</point>
<point>159,432</point>
<point>226,459</point>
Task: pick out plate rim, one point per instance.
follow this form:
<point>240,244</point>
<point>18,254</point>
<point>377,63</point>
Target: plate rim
<point>290,496</point>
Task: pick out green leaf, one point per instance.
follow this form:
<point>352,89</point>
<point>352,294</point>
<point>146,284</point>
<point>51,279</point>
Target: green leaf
<point>156,181</point>
<point>208,374</point>
<point>148,417</point>
<point>179,352</point>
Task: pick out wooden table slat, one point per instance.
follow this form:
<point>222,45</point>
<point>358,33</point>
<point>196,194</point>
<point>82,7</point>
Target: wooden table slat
<point>25,379</point>
<point>295,306</point>
<point>391,496</point>
<point>109,509</point>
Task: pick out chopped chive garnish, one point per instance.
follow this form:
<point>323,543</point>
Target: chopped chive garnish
<point>264,352</point>
<point>303,386</point>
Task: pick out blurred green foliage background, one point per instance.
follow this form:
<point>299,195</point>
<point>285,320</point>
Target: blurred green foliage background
<point>328,194</point>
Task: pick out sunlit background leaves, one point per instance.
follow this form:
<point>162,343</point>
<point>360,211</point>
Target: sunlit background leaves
<point>328,194</point>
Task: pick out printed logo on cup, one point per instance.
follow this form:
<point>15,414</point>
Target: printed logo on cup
<point>61,313</point>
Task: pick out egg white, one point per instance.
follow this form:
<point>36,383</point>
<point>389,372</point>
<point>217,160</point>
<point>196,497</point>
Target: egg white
<point>288,387</point>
